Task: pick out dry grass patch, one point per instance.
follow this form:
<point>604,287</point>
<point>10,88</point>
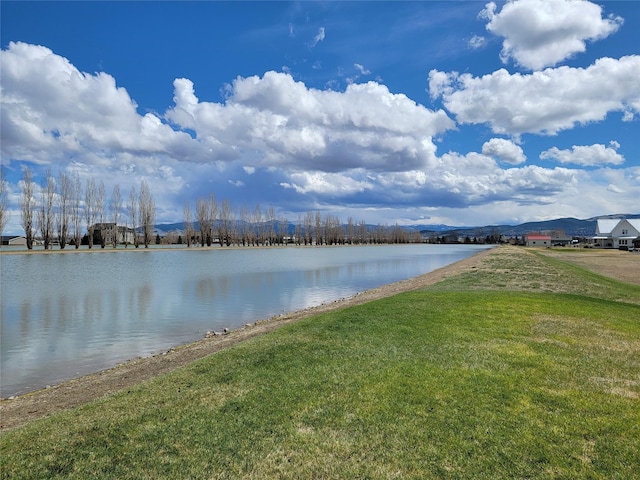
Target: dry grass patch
<point>545,271</point>
<point>617,264</point>
<point>603,347</point>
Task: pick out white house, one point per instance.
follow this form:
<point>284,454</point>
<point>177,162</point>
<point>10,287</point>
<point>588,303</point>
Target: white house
<point>616,233</point>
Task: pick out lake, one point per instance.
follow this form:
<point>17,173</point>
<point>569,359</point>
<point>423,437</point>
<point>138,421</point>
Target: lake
<point>66,315</point>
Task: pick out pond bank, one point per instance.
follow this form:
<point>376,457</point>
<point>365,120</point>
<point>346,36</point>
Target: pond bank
<point>42,403</point>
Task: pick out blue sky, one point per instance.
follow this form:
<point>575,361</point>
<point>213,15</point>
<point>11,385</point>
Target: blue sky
<point>462,113</point>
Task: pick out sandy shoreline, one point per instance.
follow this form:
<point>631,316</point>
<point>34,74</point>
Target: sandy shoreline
<point>42,403</point>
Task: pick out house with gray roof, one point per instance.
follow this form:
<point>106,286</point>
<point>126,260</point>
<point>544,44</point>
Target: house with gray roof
<point>13,240</point>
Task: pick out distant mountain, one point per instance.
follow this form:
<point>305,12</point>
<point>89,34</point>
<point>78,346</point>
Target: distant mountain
<point>573,227</point>
<point>617,216</point>
<point>169,227</point>
<point>434,228</point>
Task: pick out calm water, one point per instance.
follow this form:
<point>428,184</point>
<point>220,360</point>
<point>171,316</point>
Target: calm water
<point>71,314</point>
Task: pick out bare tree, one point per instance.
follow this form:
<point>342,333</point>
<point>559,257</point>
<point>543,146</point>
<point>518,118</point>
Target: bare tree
<point>101,211</point>
<point>65,202</point>
<point>245,222</point>
<point>147,208</point>
<point>188,223</point>
<point>308,228</point>
<point>45,212</point>
<point>351,231</point>
<point>115,207</point>
<point>132,210</point>
<point>212,216</point>
<point>328,229</point>
<point>271,225</point>
<point>27,206</point>
<point>283,230</point>
<point>362,232</point>
<point>90,195</point>
<point>319,230</point>
<point>225,223</point>
<point>333,230</point>
<point>4,213</point>
<point>233,227</point>
<point>259,224</point>
<point>298,230</point>
<point>202,215</point>
<point>76,211</point>
<point>379,234</point>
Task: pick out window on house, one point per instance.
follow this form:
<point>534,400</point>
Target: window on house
<point>625,232</point>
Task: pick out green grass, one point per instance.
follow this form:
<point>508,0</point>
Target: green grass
<point>460,380</point>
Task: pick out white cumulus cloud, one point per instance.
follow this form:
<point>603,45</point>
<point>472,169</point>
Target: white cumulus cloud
<point>542,33</point>
<point>504,151</point>
<point>477,41</point>
<point>50,110</point>
<point>586,155</point>
<point>545,102</point>
<point>307,129</point>
<point>327,184</point>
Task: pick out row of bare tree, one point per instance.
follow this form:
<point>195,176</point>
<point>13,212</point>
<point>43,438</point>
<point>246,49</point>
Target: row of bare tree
<point>223,224</point>
<point>64,210</point>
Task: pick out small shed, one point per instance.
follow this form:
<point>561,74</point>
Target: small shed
<point>537,240</point>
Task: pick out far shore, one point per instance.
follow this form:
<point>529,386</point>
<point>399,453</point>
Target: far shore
<point>19,410</point>
<point>130,248</point>
<point>39,250</point>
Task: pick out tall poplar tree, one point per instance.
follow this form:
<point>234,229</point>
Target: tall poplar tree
<point>90,200</point>
<point>147,209</point>
<point>132,210</point>
<point>76,211</point>
<point>115,205</point>
<point>27,206</point>
<point>65,202</point>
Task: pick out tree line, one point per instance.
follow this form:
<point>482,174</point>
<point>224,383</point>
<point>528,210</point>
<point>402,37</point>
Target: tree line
<point>68,212</point>
<point>221,223</point>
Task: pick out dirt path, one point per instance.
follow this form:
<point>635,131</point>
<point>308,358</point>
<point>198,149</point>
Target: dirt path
<point>17,411</point>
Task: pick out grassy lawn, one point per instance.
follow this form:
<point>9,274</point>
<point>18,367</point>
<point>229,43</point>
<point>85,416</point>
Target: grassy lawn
<point>524,368</point>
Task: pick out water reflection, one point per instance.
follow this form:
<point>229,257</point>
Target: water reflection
<point>67,315</point>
